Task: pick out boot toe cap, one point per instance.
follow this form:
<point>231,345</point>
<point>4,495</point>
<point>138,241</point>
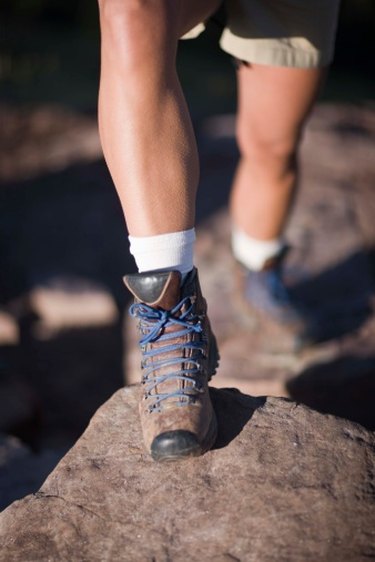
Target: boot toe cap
<point>172,445</point>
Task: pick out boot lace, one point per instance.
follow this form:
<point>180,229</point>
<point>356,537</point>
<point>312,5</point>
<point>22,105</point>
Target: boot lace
<point>152,324</point>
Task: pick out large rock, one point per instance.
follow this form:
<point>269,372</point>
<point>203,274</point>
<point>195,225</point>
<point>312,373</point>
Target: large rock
<point>284,483</point>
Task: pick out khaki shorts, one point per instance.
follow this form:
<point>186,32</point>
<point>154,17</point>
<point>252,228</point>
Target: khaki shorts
<point>293,33</point>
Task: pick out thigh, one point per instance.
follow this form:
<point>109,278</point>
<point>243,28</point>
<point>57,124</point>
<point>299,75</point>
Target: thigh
<point>274,102</point>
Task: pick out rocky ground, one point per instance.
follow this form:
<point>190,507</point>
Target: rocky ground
<point>282,483</point>
<point>66,345</point>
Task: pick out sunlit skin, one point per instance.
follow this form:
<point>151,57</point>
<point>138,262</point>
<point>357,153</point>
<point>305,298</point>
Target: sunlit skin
<point>146,132</point>
<point>273,104</point>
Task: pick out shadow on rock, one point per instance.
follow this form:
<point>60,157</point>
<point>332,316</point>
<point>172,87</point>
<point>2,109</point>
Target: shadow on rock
<point>344,387</point>
<point>62,248</point>
<point>233,410</point>
<point>371,257</point>
<point>52,386</point>
<point>338,298</point>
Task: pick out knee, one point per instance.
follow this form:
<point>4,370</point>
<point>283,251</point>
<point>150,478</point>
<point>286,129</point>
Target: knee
<point>276,147</point>
<point>136,29</point>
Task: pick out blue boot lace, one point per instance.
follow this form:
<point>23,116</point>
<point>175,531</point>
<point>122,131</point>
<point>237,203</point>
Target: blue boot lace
<point>153,323</point>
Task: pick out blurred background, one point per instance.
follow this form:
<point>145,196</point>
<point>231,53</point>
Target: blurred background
<point>63,243</point>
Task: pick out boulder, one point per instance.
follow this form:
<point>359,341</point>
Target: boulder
<point>283,483</point>
<point>67,302</point>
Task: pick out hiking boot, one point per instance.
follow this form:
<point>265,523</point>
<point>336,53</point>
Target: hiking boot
<point>179,356</point>
<point>268,298</point>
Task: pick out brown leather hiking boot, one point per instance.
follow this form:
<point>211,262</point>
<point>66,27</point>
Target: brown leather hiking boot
<point>179,356</point>
<point>266,296</point>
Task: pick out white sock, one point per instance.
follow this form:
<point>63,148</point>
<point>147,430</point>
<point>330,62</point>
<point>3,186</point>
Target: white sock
<point>253,253</point>
<point>164,251</point>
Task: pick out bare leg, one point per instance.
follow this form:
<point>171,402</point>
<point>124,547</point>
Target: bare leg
<point>274,103</point>
<point>150,149</point>
<point>145,128</point>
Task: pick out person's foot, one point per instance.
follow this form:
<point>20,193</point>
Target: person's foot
<point>268,298</point>
<point>179,356</point>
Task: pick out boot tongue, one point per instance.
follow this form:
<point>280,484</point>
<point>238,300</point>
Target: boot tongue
<point>155,289</point>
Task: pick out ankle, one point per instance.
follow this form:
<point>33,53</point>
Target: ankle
<point>253,253</point>
<point>164,252</point>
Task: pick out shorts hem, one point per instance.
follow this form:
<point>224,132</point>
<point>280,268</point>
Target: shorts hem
<point>259,51</point>
<point>195,32</point>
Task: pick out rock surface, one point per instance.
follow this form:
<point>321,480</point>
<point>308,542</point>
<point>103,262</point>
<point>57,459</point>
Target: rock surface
<point>284,483</point>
